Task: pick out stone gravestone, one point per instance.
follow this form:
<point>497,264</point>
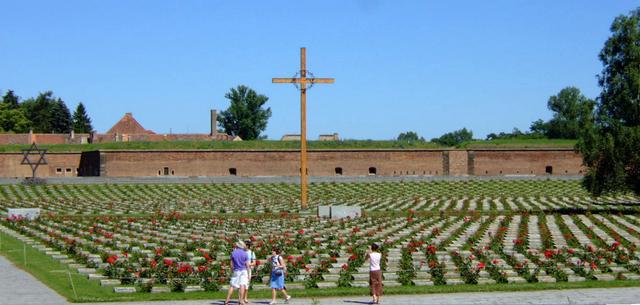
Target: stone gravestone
<point>339,211</point>
<point>324,211</point>
<point>29,214</point>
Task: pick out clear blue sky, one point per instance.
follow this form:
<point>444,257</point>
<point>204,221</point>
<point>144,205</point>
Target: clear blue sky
<point>425,66</point>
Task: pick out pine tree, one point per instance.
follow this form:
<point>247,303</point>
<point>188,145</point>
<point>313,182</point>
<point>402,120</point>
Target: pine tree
<point>81,121</point>
<point>61,117</point>
<point>11,100</point>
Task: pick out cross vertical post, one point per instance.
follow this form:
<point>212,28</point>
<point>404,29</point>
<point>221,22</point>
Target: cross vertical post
<point>303,130</point>
<point>303,80</point>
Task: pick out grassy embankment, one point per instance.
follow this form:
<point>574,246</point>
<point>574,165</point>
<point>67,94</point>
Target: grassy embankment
<point>293,145</point>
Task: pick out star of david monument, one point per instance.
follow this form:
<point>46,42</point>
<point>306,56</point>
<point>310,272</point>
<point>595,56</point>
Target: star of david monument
<point>34,157</point>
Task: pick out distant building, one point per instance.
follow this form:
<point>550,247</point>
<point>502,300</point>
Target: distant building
<point>127,129</point>
<point>329,137</point>
<point>322,137</point>
<point>128,125</point>
<point>290,137</point>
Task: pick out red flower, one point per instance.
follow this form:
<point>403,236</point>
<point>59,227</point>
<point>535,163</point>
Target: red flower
<point>258,263</point>
<point>153,263</point>
<point>345,267</point>
<point>184,268</point>
<point>301,231</point>
<point>431,249</point>
<point>202,268</point>
<point>614,246</point>
<point>168,262</point>
<point>112,259</point>
<point>548,254</point>
<point>480,266</point>
<point>432,264</point>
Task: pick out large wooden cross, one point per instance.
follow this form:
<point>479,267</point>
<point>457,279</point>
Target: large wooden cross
<point>303,83</point>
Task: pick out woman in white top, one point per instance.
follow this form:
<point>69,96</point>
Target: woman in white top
<point>375,274</point>
<point>252,262</point>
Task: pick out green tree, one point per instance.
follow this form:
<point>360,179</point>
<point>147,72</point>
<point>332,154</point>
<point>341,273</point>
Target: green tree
<point>245,116</point>
<point>454,138</point>
<point>81,120</point>
<point>47,113</point>
<point>61,117</point>
<point>572,111</point>
<point>39,112</point>
<point>13,120</point>
<point>538,127</point>
<point>409,137</point>
<point>11,100</point>
<point>610,146</point>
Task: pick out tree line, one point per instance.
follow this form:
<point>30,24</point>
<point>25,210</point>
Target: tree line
<point>607,128</point>
<point>45,113</point>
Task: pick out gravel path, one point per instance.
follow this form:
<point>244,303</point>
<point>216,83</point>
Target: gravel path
<point>19,287</point>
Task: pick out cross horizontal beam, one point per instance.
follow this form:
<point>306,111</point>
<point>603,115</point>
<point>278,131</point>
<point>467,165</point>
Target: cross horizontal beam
<point>294,80</point>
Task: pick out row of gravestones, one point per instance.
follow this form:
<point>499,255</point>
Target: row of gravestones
<point>450,266</point>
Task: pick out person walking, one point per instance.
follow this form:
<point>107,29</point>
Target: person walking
<point>240,276</point>
<point>252,262</point>
<point>375,273</point>
<point>278,269</point>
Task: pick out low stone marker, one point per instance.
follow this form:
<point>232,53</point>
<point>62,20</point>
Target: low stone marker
<point>29,214</point>
<point>339,211</point>
<point>124,289</point>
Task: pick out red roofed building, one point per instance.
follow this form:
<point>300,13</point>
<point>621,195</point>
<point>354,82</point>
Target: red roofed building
<point>128,125</point>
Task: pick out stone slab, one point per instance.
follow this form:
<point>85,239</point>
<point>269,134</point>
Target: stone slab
<point>124,289</point>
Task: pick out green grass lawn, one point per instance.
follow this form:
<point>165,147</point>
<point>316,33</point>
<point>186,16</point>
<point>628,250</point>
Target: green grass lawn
<point>519,143</point>
<point>56,276</point>
<point>294,145</point>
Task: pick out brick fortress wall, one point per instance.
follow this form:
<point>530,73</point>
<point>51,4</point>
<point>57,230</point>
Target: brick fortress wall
<point>286,163</point>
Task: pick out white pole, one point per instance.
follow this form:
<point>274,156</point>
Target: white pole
<point>72,286</point>
<point>24,251</point>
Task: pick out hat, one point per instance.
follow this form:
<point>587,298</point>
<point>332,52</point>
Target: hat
<point>240,244</point>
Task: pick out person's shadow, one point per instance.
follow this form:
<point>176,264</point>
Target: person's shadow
<point>358,302</point>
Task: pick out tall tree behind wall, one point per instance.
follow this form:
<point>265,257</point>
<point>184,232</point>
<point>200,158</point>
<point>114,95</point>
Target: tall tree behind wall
<point>245,116</point>
<point>47,113</point>
<point>611,146</point>
<point>81,121</point>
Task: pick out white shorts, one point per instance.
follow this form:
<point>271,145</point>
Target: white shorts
<point>240,278</point>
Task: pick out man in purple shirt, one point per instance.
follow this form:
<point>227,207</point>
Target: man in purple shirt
<point>239,267</point>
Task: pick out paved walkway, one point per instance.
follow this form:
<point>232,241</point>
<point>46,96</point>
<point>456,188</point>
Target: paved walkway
<point>20,288</point>
<point>569,297</point>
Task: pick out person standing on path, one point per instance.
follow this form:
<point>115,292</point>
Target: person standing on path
<point>278,269</point>
<point>252,262</point>
<point>375,274</point>
<point>240,276</point>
